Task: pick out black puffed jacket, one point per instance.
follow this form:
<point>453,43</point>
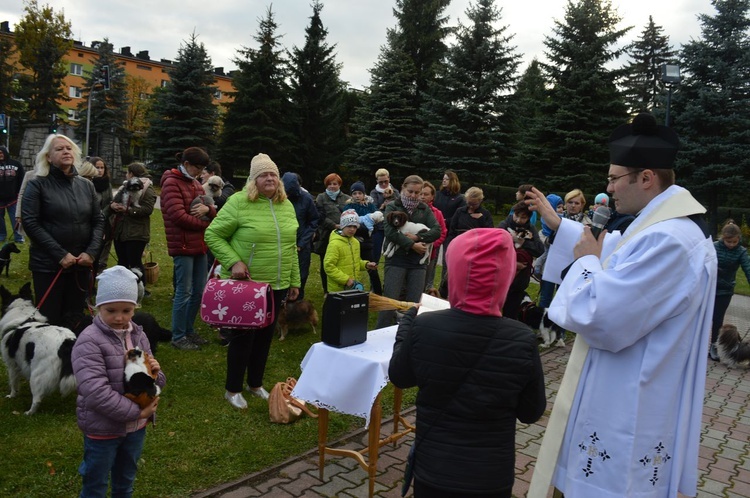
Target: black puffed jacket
<point>466,422</point>
<point>61,215</point>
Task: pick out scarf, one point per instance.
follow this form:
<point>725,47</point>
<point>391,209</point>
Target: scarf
<point>575,217</point>
<point>381,189</point>
<point>409,204</point>
<point>184,171</point>
<point>101,183</point>
<point>333,195</point>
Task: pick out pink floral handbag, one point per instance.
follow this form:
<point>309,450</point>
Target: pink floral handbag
<point>237,304</point>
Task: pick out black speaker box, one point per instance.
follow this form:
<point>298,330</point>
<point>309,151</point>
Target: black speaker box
<point>345,318</point>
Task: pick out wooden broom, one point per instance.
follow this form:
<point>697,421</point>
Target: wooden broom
<point>381,303</point>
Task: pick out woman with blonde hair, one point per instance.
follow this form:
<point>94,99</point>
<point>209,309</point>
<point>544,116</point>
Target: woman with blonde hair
<point>472,215</point>
<point>255,236</point>
<point>65,226</point>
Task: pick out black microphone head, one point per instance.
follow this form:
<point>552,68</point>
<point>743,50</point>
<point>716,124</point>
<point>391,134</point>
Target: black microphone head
<point>601,216</point>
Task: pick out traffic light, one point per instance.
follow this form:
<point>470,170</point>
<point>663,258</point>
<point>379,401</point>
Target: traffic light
<point>53,124</point>
<point>105,76</point>
<point>3,124</point>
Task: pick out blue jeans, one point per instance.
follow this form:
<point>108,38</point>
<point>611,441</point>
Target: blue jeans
<point>546,293</point>
<point>189,281</point>
<point>117,456</point>
<point>3,229</point>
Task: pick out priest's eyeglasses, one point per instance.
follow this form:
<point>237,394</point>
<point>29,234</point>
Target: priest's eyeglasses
<point>612,179</point>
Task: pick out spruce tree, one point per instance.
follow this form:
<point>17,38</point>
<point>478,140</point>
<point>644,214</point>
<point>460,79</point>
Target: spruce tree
<point>386,123</point>
<point>527,111</point>
<point>569,149</point>
<point>711,107</point>
<point>182,113</point>
<point>317,98</point>
<point>259,119</point>
<point>465,111</point>
<point>642,84</point>
<point>108,105</point>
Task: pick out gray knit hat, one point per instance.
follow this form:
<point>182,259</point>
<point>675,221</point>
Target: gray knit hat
<point>261,164</point>
<point>349,218</point>
<point>117,284</point>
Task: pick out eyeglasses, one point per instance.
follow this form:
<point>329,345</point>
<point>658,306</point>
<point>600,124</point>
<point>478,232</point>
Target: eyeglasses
<point>612,179</point>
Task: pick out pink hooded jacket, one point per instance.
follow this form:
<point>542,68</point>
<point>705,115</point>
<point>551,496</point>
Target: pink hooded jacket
<point>483,265</point>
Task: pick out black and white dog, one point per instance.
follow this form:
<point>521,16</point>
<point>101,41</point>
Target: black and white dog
<point>536,318</point>
<point>129,194</point>
<point>34,349</point>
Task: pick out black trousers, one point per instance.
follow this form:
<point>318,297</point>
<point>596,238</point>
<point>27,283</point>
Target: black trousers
<point>247,352</point>
<point>68,295</point>
<point>424,490</point>
<point>130,253</point>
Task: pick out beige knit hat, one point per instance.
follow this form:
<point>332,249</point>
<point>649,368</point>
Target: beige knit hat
<point>261,164</point>
<point>117,284</point>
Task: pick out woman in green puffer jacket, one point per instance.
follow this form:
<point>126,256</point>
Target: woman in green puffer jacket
<point>255,235</point>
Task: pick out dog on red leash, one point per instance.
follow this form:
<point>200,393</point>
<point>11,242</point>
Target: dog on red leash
<point>295,314</point>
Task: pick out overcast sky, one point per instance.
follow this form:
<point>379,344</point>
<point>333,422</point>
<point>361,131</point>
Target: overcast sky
<point>357,27</point>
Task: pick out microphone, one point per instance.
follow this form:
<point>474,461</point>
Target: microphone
<point>601,218</point>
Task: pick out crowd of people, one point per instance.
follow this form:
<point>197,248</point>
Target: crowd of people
<point>475,358</point>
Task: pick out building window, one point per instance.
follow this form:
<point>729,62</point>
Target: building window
<point>164,83</point>
<point>145,68</point>
<point>75,92</point>
<point>76,69</point>
<point>217,94</point>
<point>73,115</point>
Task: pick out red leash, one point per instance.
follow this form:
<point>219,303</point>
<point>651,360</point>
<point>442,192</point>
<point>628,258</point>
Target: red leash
<point>49,289</point>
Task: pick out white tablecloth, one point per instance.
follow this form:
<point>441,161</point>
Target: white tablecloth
<point>347,380</point>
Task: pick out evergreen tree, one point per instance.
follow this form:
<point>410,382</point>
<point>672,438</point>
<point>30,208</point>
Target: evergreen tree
<point>712,106</point>
<point>422,31</point>
<point>569,149</point>
<point>182,113</point>
<point>642,83</point>
<point>259,119</point>
<point>43,39</point>
<point>466,109</point>
<point>108,105</point>
<point>386,123</point>
<point>317,97</point>
<point>527,110</point>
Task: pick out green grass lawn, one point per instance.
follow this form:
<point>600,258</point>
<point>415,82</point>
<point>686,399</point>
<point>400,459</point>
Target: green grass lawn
<point>199,440</point>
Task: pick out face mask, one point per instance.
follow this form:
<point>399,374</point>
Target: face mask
<point>409,203</point>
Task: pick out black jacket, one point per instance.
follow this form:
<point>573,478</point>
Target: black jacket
<point>61,215</point>
<point>466,424</point>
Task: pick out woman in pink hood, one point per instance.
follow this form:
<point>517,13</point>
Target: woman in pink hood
<point>477,372</point>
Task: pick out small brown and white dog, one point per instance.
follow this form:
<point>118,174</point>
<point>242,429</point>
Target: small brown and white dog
<point>213,186</point>
<point>400,220</point>
<point>733,351</point>
<point>140,383</point>
<point>295,314</point>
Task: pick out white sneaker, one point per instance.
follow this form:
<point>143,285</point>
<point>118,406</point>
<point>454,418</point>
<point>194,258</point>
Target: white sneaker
<point>236,400</point>
<point>259,392</point>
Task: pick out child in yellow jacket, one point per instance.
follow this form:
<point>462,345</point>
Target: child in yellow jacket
<point>342,261</point>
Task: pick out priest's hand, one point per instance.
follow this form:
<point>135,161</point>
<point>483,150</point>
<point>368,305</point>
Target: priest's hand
<point>537,201</point>
<point>588,245</point>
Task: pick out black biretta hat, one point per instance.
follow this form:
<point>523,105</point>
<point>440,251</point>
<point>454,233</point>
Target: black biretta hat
<point>643,144</point>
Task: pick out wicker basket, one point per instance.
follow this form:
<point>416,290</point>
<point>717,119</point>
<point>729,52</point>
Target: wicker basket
<point>152,269</point>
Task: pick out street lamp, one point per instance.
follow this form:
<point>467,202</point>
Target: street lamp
<point>94,84</point>
<point>670,76</point>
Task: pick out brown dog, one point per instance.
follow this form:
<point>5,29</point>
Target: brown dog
<point>295,314</point>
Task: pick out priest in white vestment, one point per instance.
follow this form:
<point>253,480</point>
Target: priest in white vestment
<point>641,304</point>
